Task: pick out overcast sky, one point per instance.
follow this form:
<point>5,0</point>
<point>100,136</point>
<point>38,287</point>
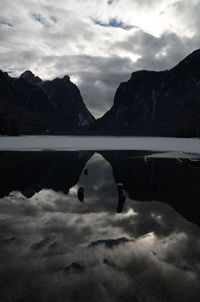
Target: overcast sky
<point>98,43</point>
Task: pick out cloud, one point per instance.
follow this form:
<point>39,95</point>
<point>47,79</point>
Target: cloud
<point>158,53</point>
<point>53,246</point>
<point>53,38</point>
<point>5,23</point>
<point>46,253</point>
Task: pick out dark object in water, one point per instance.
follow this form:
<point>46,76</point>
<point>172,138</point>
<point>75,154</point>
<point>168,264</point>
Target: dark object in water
<point>86,171</point>
<point>81,194</point>
<point>121,197</point>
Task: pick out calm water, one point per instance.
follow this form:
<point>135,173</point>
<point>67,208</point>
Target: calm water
<point>104,226</point>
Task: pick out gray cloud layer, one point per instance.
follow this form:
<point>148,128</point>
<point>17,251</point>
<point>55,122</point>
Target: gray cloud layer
<point>56,38</point>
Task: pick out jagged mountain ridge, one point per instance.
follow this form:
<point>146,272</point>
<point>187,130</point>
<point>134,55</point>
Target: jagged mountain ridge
<point>165,103</point>
<point>63,94</point>
<point>30,77</point>
<point>151,103</point>
<point>29,105</point>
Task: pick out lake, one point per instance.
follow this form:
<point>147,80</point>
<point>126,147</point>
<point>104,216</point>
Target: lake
<point>113,220</point>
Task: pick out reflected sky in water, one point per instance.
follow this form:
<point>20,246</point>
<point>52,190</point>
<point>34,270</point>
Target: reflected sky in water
<point>55,247</point>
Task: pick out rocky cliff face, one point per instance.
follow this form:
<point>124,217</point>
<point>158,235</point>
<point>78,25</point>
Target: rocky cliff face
<point>165,103</point>
<point>29,105</point>
<point>68,102</point>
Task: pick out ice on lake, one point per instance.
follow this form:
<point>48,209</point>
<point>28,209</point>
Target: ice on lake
<point>69,143</point>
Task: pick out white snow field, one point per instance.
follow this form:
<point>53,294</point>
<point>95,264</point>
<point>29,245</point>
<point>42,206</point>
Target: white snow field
<point>70,143</point>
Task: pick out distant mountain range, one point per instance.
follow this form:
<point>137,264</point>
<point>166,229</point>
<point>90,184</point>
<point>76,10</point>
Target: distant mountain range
<point>165,103</point>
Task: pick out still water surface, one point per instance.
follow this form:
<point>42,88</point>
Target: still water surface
<point>103,226</point>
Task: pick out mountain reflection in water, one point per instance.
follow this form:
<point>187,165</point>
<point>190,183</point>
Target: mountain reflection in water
<point>133,237</point>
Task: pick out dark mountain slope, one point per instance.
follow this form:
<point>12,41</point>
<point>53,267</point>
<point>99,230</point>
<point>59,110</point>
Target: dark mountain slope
<point>30,106</point>
<point>165,103</point>
<point>67,100</point>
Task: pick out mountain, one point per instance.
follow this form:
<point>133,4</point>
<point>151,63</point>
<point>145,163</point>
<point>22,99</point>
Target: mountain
<point>29,105</point>
<point>67,100</point>
<point>30,77</point>
<point>151,103</point>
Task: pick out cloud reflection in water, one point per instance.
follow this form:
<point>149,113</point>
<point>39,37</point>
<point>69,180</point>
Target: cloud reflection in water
<point>56,248</point>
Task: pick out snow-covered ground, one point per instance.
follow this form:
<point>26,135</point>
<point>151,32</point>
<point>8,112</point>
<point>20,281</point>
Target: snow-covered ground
<point>67,143</point>
<point>176,154</point>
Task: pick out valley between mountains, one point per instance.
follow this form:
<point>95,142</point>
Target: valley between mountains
<point>150,103</point>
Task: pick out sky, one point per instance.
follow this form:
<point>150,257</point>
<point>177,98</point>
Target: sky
<point>98,43</point>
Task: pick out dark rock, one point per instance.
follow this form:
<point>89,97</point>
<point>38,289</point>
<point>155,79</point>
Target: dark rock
<point>81,194</point>
<point>121,197</point>
<point>30,77</point>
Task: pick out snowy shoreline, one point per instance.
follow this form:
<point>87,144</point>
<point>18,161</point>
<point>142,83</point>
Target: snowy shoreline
<point>71,143</point>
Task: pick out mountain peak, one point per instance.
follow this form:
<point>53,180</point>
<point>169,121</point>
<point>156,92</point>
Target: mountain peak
<point>66,78</point>
<point>190,63</point>
<point>3,73</point>
<point>195,52</point>
<point>30,77</point>
<point>193,56</point>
